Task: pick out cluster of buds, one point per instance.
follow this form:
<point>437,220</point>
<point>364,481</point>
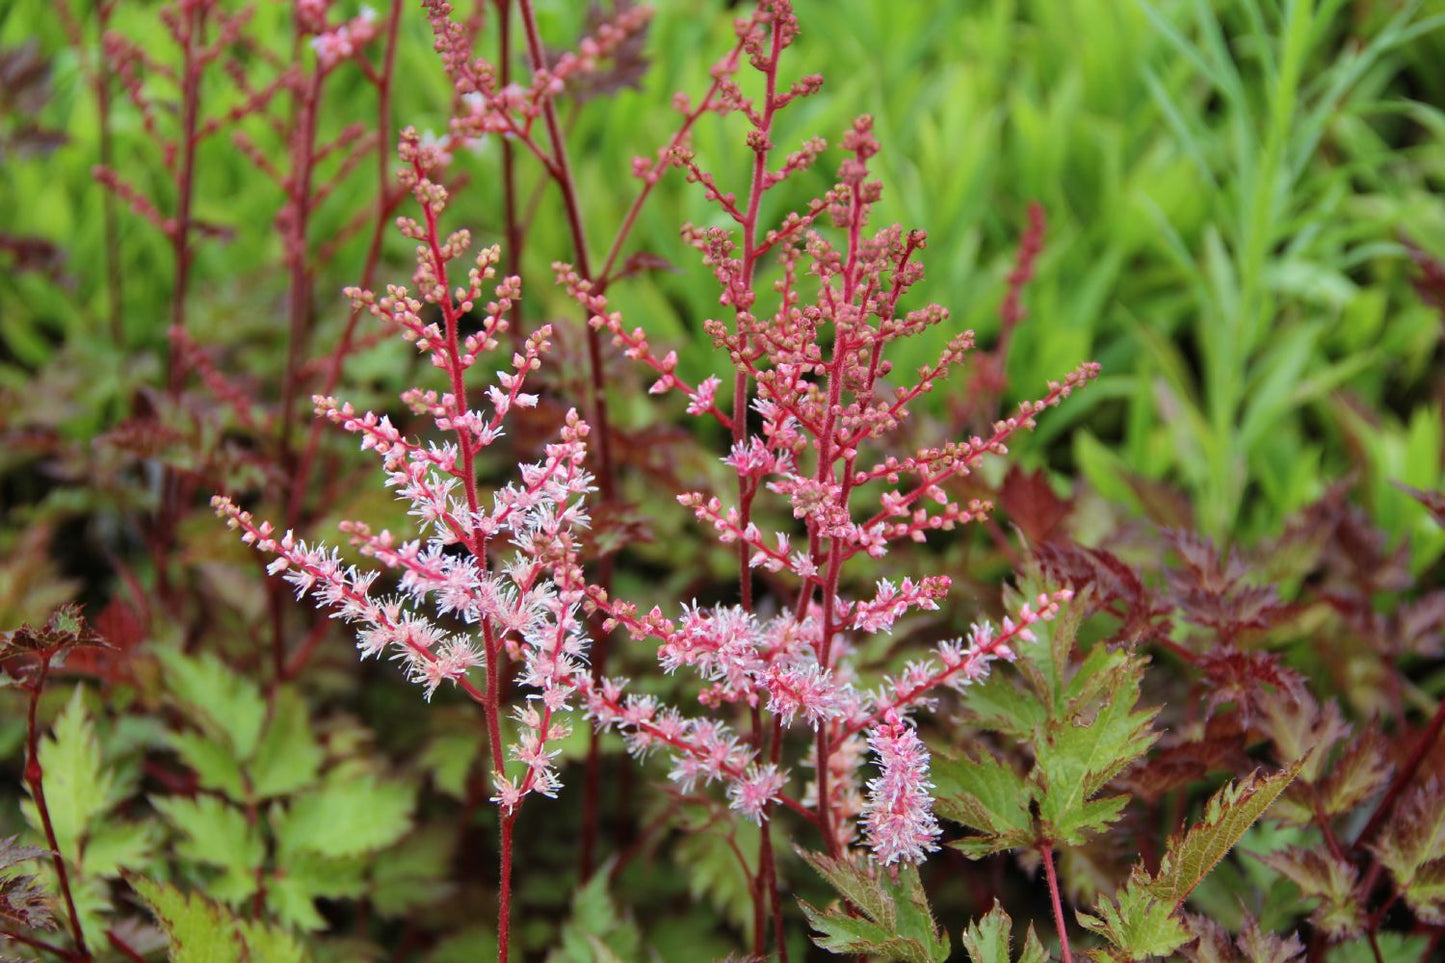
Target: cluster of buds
<point>814,367</point>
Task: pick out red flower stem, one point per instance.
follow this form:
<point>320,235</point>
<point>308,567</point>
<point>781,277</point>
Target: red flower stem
<point>298,218</point>
<point>387,200</point>
<point>765,889</point>
<point>561,171</point>
<point>514,231</point>
<point>1046,848</point>
<point>180,228</point>
<point>504,896</point>
<point>35,780</point>
<point>650,181</point>
<point>559,167</point>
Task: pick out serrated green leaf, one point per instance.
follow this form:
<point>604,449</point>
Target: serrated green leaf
<point>228,707</point>
<point>196,927</point>
<point>1136,923</point>
<point>201,931</point>
<point>306,877</point>
<point>77,786</point>
<point>347,816</point>
<point>1001,705</point>
<point>217,834</point>
<point>289,757</point>
<point>988,940</point>
<point>1098,736</point>
<point>897,923</point>
<point>1227,815</point>
<point>1142,919</point>
<point>214,763</point>
<point>708,852</point>
<point>114,845</point>
<point>270,944</point>
<point>1033,951</point>
<point>985,795</point>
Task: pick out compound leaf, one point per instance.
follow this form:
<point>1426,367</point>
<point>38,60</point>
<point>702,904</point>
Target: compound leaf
<point>896,921</point>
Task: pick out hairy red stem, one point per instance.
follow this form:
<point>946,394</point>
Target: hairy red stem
<point>35,780</point>
<point>1046,849</point>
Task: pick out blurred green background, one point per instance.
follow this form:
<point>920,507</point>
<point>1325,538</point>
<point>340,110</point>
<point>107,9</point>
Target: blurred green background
<point>1229,187</point>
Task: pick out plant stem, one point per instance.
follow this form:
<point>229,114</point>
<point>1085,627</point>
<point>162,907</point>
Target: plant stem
<point>561,172</point>
<point>515,236</point>
<point>298,218</point>
<point>1046,848</point>
<point>504,898</point>
<point>35,780</point>
<point>1405,776</point>
<point>386,202</point>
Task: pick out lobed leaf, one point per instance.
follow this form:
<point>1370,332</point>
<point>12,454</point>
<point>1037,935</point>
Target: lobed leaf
<point>987,940</point>
<point>896,921</point>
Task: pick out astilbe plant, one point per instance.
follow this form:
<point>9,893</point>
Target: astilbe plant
<point>813,374</point>
<point>506,567</point>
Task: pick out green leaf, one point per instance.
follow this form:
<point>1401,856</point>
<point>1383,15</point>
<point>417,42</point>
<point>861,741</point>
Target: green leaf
<point>708,852</point>
<point>347,816</point>
<point>197,929</point>
<point>228,707</point>
<point>1136,923</point>
<point>214,763</point>
<point>201,931</point>
<point>987,940</point>
<point>987,796</point>
<point>1097,736</point>
<point>270,943</point>
<point>77,787</point>
<point>1001,705</point>
<point>303,878</point>
<point>597,932</point>
<point>414,873</point>
<point>896,923</point>
<point>1142,919</point>
<point>449,757</point>
<point>114,845</point>
<point>217,834</point>
<point>1227,815</point>
<point>289,757</point>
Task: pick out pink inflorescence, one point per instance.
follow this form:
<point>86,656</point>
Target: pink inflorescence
<point>824,399</point>
<point>898,817</point>
<point>485,579</point>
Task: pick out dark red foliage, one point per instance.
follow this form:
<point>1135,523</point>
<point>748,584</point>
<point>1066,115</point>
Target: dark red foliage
<point>1116,587</point>
<point>22,900</point>
<point>1209,589</point>
<point>1031,504</point>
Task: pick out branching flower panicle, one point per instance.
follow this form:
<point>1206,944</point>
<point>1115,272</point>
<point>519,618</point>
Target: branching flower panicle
<point>500,574</point>
<point>812,366</point>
